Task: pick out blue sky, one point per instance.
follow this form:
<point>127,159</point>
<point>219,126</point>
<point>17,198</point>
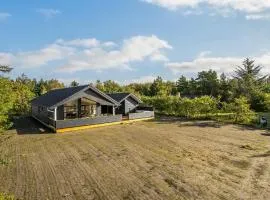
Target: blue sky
<point>131,40</point>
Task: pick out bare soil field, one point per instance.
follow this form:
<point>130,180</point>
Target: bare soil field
<point>146,160</point>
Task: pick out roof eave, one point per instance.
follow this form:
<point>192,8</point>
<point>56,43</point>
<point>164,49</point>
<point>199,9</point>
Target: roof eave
<point>135,97</point>
<point>84,89</point>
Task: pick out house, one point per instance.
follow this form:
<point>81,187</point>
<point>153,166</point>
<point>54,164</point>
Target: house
<point>128,102</point>
<point>131,106</point>
<point>81,106</point>
<point>74,106</point>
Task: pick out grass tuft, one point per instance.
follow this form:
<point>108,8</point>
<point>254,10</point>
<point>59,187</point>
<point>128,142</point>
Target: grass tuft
<point>4,196</point>
<point>3,162</point>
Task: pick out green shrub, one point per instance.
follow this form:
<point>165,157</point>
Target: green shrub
<point>4,196</point>
<point>238,112</point>
<point>204,107</point>
<point>260,101</point>
<point>7,99</point>
<point>15,99</point>
<point>185,107</point>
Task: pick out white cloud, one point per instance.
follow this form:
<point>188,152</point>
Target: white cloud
<point>192,12</point>
<point>49,13</point>
<point>258,17</point>
<point>159,57</point>
<point>43,56</point>
<point>4,16</point>
<point>135,49</point>
<point>87,43</point>
<point>174,4</point>
<point>219,64</point>
<point>109,44</point>
<point>67,81</point>
<point>143,79</point>
<point>223,7</point>
<point>6,58</point>
<point>91,54</point>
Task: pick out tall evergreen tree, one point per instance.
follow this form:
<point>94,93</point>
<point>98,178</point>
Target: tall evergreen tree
<point>249,77</point>
<point>182,85</point>
<point>74,84</point>
<point>208,83</point>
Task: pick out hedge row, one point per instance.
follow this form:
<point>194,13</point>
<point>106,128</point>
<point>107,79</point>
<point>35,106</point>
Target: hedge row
<point>204,107</point>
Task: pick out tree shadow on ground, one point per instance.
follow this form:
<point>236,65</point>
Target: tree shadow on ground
<point>266,154</point>
<point>28,125</point>
<point>265,132</point>
<point>184,122</point>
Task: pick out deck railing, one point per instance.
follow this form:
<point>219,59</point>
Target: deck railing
<point>68,123</point>
<point>141,115</point>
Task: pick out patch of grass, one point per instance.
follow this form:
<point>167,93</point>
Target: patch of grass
<point>4,162</point>
<point>4,196</point>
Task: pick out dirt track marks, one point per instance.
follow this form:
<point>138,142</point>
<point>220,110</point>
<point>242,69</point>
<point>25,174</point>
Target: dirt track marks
<point>145,160</point>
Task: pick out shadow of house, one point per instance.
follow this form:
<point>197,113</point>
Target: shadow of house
<point>28,125</point>
<point>182,121</point>
<point>266,154</point>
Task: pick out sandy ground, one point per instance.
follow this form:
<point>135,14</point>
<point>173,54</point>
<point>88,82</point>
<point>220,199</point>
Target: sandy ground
<point>146,160</point>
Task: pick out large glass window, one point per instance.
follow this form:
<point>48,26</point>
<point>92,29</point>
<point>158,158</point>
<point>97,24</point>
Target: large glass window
<point>88,108</point>
<point>70,110</point>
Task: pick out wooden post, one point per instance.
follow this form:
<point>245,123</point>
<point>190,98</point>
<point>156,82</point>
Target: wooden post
<point>79,107</point>
<point>113,110</point>
<point>55,114</point>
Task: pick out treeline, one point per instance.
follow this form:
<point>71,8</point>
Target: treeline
<point>203,94</point>
<point>246,81</point>
<point>15,95</point>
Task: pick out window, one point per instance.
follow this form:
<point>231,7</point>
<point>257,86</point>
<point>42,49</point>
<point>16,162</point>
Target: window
<point>70,110</point>
<point>88,108</point>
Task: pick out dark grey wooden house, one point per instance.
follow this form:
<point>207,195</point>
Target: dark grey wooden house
<point>128,102</point>
<point>83,106</point>
<point>130,106</point>
<point>75,106</point>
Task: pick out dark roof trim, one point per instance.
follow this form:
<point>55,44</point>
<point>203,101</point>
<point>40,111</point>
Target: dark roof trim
<point>104,95</point>
<point>120,97</point>
<point>133,96</point>
<point>83,90</point>
<point>53,97</point>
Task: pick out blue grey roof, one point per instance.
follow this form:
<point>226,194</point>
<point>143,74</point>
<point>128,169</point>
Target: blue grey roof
<point>53,97</point>
<point>119,97</point>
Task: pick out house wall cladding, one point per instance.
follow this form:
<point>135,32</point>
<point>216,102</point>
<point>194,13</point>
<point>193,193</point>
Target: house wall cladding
<point>42,115</point>
<point>130,105</point>
<point>141,115</point>
<point>88,121</point>
<point>98,98</point>
<point>120,109</point>
<point>60,112</point>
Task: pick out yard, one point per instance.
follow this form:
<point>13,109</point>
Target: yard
<point>145,160</point>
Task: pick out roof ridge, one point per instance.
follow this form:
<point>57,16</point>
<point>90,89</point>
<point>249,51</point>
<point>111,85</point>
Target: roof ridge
<point>67,88</point>
<point>120,93</point>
